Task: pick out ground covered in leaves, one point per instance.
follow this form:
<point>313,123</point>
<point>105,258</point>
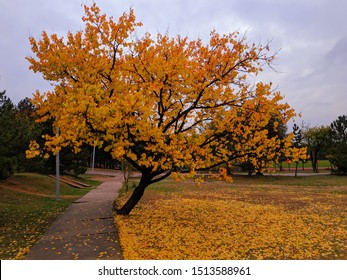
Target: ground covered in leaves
<point>285,218</point>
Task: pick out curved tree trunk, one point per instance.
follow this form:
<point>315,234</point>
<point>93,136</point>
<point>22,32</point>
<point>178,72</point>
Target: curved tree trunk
<point>136,196</point>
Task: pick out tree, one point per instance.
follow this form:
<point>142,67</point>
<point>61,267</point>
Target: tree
<point>338,147</point>
<point>71,162</point>
<point>316,139</point>
<point>18,128</point>
<point>8,161</point>
<point>277,131</point>
<point>298,137</point>
<point>26,130</point>
<point>265,145</point>
<point>152,100</point>
<point>298,144</point>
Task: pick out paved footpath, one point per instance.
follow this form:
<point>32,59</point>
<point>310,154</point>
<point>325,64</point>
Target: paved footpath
<point>86,230</point>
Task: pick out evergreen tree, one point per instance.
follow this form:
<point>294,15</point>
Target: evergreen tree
<point>317,141</point>
<point>297,142</point>
<point>8,161</point>
<point>338,147</point>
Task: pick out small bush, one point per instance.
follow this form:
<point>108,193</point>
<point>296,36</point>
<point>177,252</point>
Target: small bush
<point>8,166</point>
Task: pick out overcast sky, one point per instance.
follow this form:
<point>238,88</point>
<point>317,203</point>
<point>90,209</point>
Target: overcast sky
<point>311,35</point>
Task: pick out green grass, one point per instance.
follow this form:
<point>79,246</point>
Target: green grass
<point>28,207</point>
<point>308,165</point>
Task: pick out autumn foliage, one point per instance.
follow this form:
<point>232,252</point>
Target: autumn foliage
<point>162,103</point>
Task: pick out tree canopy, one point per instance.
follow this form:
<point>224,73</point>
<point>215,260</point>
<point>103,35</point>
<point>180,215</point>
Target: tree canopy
<point>317,141</point>
<point>338,145</point>
<point>162,103</point>
<point>8,161</point>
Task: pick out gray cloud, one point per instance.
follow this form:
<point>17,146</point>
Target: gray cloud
<point>312,36</point>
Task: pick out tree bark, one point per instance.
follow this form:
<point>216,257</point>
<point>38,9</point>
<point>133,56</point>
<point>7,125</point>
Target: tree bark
<point>296,169</point>
<point>281,166</point>
<point>136,196</point>
<point>314,158</point>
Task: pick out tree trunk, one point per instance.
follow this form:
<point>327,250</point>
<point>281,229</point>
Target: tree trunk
<point>314,160</point>
<point>296,168</point>
<point>229,171</point>
<point>136,196</point>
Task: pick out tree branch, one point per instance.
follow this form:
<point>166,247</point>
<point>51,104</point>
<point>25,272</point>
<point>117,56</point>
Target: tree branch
<point>161,177</point>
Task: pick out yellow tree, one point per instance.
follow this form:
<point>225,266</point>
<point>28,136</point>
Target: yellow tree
<point>160,103</point>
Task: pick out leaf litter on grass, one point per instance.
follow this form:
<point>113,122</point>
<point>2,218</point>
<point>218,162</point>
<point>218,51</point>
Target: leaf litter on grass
<point>238,222</point>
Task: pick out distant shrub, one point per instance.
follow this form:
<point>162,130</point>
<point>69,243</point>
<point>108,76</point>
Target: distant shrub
<point>8,166</point>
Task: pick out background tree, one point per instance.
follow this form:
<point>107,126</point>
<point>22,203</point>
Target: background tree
<point>71,162</point>
<point>8,132</point>
<point>265,145</point>
<point>152,100</point>
<point>18,128</point>
<point>338,147</point>
<point>277,131</point>
<point>27,130</point>
<point>298,136</point>
<point>316,140</point>
<point>298,144</point>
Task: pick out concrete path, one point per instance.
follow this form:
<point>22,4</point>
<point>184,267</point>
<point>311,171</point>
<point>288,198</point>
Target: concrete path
<point>86,230</point>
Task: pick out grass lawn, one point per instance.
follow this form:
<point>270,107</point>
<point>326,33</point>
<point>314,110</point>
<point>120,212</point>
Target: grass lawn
<point>322,164</point>
<point>28,207</point>
<point>251,218</point>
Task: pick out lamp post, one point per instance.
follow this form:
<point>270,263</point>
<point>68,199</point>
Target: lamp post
<point>93,159</point>
<point>57,173</point>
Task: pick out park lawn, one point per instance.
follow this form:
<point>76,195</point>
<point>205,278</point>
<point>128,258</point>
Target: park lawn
<point>322,164</point>
<point>28,207</point>
<point>251,218</point>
